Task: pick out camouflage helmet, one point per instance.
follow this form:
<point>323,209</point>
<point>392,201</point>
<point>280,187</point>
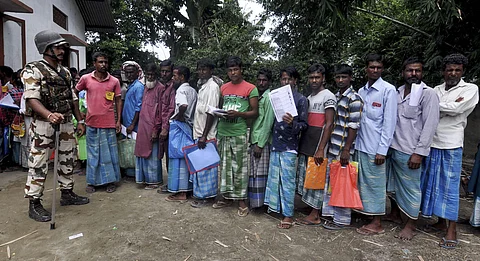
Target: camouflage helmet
<point>46,38</point>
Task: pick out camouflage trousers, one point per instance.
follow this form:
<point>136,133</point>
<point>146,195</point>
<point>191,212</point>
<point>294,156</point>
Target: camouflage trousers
<point>42,144</point>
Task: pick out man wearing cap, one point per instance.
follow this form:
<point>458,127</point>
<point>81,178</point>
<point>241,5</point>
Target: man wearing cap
<point>49,92</point>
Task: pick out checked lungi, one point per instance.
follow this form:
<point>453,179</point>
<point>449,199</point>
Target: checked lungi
<point>372,184</point>
<point>258,174</point>
<point>233,167</point>
<point>441,183</point>
<point>403,183</point>
<point>103,165</point>
<point>280,191</point>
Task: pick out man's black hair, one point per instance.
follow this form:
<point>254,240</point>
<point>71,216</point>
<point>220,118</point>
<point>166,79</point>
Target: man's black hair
<point>291,71</point>
<point>183,70</point>
<point>455,58</point>
<point>343,69</point>
<point>316,67</point>
<point>205,62</point>
<point>412,60</point>
<point>373,57</point>
<point>99,54</point>
<point>73,70</point>
<point>167,62</point>
<point>266,72</point>
<point>234,61</point>
<point>7,71</point>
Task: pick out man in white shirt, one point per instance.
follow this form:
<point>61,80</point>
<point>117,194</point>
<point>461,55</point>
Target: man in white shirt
<point>441,174</point>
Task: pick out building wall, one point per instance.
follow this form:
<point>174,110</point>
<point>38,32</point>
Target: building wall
<point>42,19</point>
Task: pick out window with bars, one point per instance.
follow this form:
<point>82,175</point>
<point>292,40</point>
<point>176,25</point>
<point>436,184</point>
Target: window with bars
<point>60,18</point>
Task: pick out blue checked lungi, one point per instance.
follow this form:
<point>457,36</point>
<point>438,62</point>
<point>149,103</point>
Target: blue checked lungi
<point>178,176</point>
<point>475,218</point>
<point>311,197</point>
<point>149,170</point>
<point>102,157</point>
<point>341,216</point>
<point>372,184</point>
<point>205,183</point>
<point>440,183</point>
<point>404,183</point>
<point>257,180</point>
<point>280,191</point>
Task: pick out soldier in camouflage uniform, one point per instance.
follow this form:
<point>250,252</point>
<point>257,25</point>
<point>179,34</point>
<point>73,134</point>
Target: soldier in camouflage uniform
<point>49,92</point>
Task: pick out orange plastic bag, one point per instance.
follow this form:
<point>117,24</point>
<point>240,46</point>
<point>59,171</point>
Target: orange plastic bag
<point>315,175</point>
<point>343,182</point>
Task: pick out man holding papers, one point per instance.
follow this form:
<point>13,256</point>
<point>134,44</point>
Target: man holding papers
<point>185,100</point>
<point>205,183</point>
<point>260,139</point>
<point>240,100</point>
<point>280,191</point>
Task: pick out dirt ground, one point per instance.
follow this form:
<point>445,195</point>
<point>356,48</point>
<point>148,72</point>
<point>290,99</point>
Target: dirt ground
<point>137,224</point>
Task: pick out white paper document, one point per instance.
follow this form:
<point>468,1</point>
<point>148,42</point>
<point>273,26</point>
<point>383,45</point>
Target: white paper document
<point>201,159</point>
<point>282,102</point>
<point>416,94</point>
<point>7,102</point>
<point>216,111</point>
<point>133,135</point>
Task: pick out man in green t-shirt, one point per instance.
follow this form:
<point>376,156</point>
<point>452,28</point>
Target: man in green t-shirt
<point>240,100</point>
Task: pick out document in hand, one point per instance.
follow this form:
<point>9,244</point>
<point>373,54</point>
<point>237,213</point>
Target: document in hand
<point>217,112</point>
<point>282,102</point>
<point>201,159</point>
<point>7,102</point>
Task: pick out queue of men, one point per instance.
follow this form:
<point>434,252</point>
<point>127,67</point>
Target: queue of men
<point>407,141</point>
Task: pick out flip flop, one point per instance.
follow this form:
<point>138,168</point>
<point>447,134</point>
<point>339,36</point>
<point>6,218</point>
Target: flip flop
<point>305,222</point>
<point>368,232</point>
<point>172,199</point>
<point>221,204</point>
<point>282,223</point>
<point>444,243</point>
<point>111,188</point>
<point>332,226</point>
<point>200,203</point>
<point>151,187</point>
<point>90,189</point>
<point>242,212</point>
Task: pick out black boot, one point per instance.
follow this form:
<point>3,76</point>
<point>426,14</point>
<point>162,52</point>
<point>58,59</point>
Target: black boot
<point>70,198</point>
<point>37,212</point>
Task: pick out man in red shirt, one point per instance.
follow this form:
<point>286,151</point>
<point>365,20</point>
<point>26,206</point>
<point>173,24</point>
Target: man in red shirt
<point>102,153</point>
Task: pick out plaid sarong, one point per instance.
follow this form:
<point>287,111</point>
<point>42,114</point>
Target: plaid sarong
<point>205,183</point>
<point>149,170</point>
<point>440,183</point>
<point>178,176</point>
<point>372,184</point>
<point>257,180</point>
<point>403,183</point>
<point>102,158</point>
<point>233,167</point>
<point>280,191</point>
<point>311,197</point>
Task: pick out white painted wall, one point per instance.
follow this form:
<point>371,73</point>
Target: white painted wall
<point>42,19</point>
<point>12,36</point>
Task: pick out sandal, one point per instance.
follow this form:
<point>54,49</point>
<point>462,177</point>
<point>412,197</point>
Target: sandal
<point>448,244</point>
<point>163,189</point>
<point>305,222</point>
<point>173,198</point>
<point>285,225</point>
<point>151,187</point>
<point>332,226</point>
<point>200,203</point>
<point>242,212</point>
<point>90,189</point>
<point>111,188</point>
<point>369,232</point>
<point>221,204</point>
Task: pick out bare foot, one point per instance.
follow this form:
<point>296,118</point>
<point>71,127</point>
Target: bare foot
<point>373,228</point>
<point>406,234</point>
